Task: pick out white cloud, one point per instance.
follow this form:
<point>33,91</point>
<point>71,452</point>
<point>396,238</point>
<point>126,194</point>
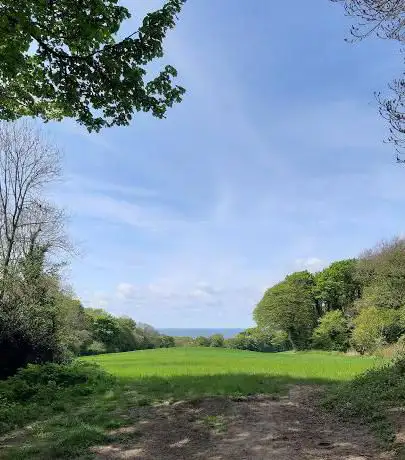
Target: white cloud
<point>97,299</point>
<point>259,202</point>
<point>312,264</point>
<point>171,298</point>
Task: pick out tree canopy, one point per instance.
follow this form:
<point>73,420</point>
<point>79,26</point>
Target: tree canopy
<point>63,58</point>
<point>381,270</point>
<point>289,306</point>
<point>337,286</point>
<point>332,332</point>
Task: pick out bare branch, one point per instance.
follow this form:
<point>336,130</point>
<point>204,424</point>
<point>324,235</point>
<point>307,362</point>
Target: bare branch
<point>28,164</point>
<point>385,19</point>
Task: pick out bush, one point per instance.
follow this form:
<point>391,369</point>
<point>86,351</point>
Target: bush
<point>39,389</point>
<point>95,348</point>
<point>257,339</point>
<point>166,341</point>
<point>332,332</point>
<point>202,341</point>
<point>217,340</point>
<point>369,396</point>
<point>35,380</point>
<point>374,328</point>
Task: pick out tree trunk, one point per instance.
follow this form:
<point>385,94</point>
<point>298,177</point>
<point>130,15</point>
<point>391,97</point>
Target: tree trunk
<point>290,339</point>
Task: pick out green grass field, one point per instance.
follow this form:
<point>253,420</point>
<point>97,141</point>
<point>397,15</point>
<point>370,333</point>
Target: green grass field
<point>64,422</point>
<point>194,372</point>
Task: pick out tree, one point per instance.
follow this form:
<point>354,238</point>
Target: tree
<point>106,329</point>
<point>248,340</point>
<point>61,58</point>
<point>243,341</point>
<point>167,341</point>
<point>279,340</point>
<point>373,328</point>
<point>201,341</point>
<point>257,339</point>
<point>332,332</point>
<point>217,340</point>
<point>147,336</point>
<point>74,332</point>
<point>126,339</point>
<point>289,306</point>
<point>109,334</point>
<point>28,164</point>
<point>384,19</point>
<point>30,326</point>
<point>337,286</point>
<point>31,234</point>
<point>381,270</point>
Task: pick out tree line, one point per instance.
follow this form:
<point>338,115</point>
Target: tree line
<point>355,303</point>
<point>253,339</point>
<point>41,320</point>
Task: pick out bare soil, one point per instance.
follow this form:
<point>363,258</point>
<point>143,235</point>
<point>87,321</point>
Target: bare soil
<point>260,427</point>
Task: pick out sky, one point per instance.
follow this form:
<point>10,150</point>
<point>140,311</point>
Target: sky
<point>274,162</point>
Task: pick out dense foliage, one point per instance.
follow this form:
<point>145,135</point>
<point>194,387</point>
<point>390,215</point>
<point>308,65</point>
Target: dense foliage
<point>332,332</point>
<point>40,319</point>
<point>289,306</point>
<point>109,334</point>
<point>369,396</point>
<point>63,59</point>
<point>354,303</point>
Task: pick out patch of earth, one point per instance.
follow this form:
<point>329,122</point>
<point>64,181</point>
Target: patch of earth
<point>252,428</point>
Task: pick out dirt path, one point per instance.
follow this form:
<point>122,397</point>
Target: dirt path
<point>257,428</point>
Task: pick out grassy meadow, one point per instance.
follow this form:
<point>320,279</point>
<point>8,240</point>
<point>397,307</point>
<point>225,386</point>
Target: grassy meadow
<point>194,372</point>
<point>51,412</point>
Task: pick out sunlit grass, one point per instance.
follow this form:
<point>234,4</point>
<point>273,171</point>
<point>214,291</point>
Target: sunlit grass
<point>210,361</point>
<point>69,423</point>
<point>192,372</point>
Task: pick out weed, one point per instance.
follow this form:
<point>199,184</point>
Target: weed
<point>216,423</point>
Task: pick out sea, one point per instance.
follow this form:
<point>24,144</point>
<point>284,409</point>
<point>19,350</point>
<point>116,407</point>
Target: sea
<point>196,332</point>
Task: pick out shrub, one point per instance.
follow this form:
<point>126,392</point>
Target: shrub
<point>95,348</point>
<point>217,340</point>
<point>369,396</point>
<point>243,341</point>
<point>39,389</point>
<point>166,341</point>
<point>34,380</point>
<point>258,339</point>
<point>374,328</point>
<point>202,341</point>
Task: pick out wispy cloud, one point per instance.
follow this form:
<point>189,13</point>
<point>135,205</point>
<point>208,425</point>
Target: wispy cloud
<point>126,291</point>
<point>74,183</point>
<point>312,264</point>
<point>262,170</point>
<point>119,204</point>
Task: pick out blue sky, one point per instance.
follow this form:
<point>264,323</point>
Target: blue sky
<point>274,162</point>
